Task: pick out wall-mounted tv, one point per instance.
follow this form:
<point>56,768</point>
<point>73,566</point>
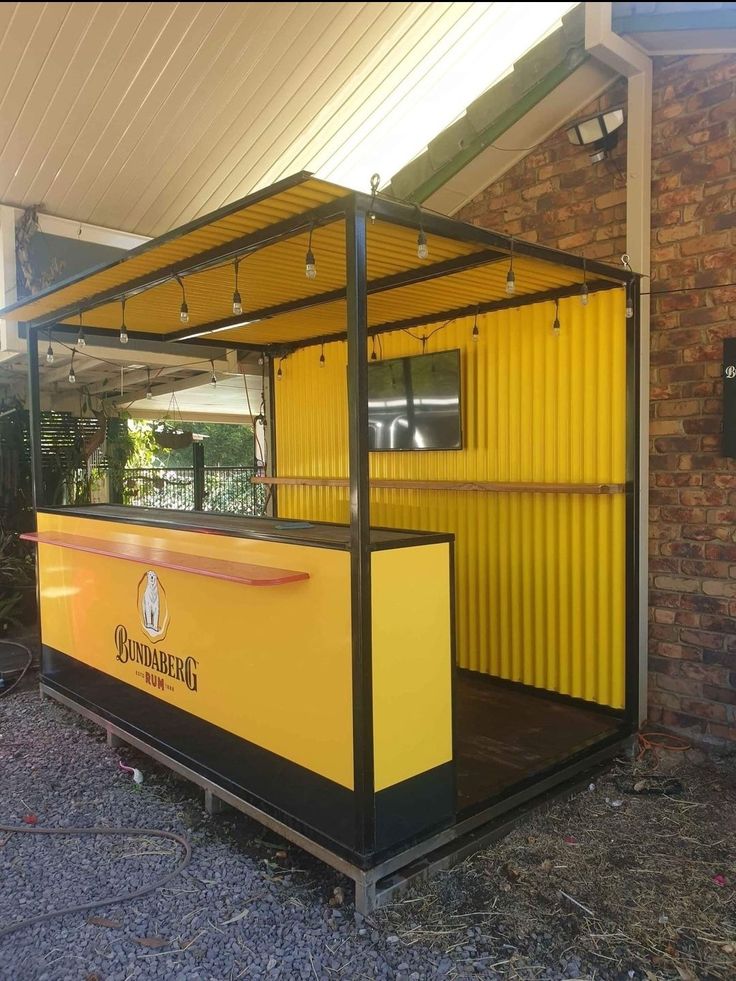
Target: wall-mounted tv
<point>414,403</point>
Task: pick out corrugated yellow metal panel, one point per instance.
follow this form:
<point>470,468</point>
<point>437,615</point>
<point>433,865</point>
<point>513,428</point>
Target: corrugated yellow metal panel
<point>540,577</point>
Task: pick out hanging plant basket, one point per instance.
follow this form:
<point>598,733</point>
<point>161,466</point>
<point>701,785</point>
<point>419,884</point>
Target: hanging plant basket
<point>171,439</point>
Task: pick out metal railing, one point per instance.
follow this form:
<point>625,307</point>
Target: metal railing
<point>226,489</point>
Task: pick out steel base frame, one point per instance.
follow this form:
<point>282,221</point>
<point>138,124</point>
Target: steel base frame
<point>378,885</point>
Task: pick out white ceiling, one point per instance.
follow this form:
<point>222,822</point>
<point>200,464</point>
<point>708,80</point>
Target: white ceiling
<point>227,402</point>
<point>142,116</point>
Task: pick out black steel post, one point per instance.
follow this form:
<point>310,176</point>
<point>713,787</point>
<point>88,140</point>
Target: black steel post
<point>360,556</point>
<point>198,462</point>
<point>34,419</point>
<point>633,490</point>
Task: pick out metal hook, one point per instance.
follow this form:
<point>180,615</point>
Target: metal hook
<point>626,261</point>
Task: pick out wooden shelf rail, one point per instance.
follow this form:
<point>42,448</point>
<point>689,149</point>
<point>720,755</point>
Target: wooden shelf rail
<point>477,486</point>
<point>199,565</point>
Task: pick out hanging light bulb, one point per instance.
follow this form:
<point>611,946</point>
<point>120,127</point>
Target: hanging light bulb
<point>81,339</point>
<point>237,301</point>
<point>261,361</point>
<point>310,265</point>
<point>476,332</point>
<point>183,309</point>
<point>629,303</point>
<point>510,278</point>
<point>556,321</point>
<point>279,373</point>
<point>213,379</point>
<point>584,287</point>
<point>123,328</point>
<point>49,352</point>
<point>72,376</point>
<point>374,356</point>
<point>422,247</point>
<point>149,393</point>
<point>322,357</point>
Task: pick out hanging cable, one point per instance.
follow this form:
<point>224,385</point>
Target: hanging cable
<point>81,339</point>
<point>184,308</point>
<point>123,328</point>
<point>310,266</point>
<point>237,300</point>
<point>149,392</point>
<point>510,278</point>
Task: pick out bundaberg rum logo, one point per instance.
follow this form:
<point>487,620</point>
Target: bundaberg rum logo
<point>154,666</point>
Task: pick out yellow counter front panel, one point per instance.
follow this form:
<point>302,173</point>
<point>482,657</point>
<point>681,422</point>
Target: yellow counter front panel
<point>412,662</point>
<point>270,664</point>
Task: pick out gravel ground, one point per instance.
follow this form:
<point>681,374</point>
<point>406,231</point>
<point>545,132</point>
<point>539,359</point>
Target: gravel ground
<point>249,906</point>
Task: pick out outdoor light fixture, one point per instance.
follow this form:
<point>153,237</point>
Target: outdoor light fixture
<point>49,352</point>
<point>629,303</point>
<point>72,376</point>
<point>81,339</point>
<point>476,332</point>
<point>422,247</point>
<point>374,356</point>
<point>149,393</point>
<point>556,321</point>
<point>600,133</point>
<point>183,309</point>
<point>510,278</point>
<point>322,357</point>
<point>310,267</point>
<point>123,328</point>
<point>237,301</point>
<point>584,291</point>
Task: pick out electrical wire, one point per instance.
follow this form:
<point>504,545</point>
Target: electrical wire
<point>105,900</point>
<point>24,670</point>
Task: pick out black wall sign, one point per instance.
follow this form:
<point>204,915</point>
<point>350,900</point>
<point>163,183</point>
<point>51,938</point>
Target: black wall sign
<point>729,397</point>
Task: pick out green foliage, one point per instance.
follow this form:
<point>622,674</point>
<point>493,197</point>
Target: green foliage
<point>225,445</point>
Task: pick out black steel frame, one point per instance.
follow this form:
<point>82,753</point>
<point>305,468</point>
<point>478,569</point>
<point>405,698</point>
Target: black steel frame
<point>354,210</point>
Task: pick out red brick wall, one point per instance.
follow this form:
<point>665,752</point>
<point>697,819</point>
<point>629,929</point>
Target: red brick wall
<point>555,196</point>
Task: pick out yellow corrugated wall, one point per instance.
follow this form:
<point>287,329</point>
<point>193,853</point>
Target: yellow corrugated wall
<point>540,578</point>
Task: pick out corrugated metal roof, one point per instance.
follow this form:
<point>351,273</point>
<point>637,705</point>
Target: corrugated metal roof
<point>142,116</point>
<point>269,233</point>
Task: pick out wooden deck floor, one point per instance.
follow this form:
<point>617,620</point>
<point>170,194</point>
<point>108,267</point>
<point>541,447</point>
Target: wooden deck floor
<point>505,735</point>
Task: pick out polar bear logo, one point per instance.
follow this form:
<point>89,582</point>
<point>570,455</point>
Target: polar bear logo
<point>151,605</point>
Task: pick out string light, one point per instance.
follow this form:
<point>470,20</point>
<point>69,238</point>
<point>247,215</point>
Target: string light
<point>629,302</point>
<point>476,332</point>
<point>213,379</point>
<point>261,360</point>
<point>49,352</point>
<point>374,356</point>
<point>183,309</point>
<point>149,393</point>
<point>310,266</point>
<point>81,339</point>
<point>237,301</point>
<point>556,322</point>
<point>510,278</point>
<point>422,247</point>
<point>375,181</point>
<point>72,376</point>
<point>123,328</point>
<point>279,373</point>
<point>322,357</point>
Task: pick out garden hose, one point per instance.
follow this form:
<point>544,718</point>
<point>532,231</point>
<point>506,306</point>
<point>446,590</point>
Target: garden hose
<point>24,670</point>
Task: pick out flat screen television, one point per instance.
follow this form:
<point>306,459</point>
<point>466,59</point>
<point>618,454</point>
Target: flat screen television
<point>414,403</point>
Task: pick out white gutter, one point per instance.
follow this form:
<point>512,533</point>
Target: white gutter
<point>630,61</point>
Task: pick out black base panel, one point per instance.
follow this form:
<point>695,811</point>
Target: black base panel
<point>422,803</point>
<point>306,801</point>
